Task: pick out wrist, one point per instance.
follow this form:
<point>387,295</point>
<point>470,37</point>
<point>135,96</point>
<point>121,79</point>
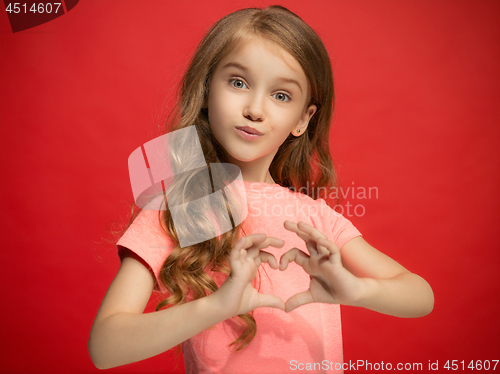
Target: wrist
<point>218,302</point>
<point>368,288</point>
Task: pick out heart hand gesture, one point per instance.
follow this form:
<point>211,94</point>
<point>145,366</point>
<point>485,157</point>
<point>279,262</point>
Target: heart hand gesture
<point>237,295</point>
<point>330,281</point>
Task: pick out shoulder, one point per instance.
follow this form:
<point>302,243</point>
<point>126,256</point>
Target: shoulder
<point>326,219</point>
<point>146,225</point>
<point>146,241</point>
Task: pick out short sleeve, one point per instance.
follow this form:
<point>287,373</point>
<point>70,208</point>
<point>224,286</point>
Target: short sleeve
<point>148,240</point>
<point>342,229</point>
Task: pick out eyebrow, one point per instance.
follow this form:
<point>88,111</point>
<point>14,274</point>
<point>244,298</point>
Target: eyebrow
<point>244,68</point>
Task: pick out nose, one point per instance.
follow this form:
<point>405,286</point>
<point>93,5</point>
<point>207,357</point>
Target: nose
<point>254,108</point>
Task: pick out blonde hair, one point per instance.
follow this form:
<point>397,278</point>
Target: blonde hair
<point>298,162</point>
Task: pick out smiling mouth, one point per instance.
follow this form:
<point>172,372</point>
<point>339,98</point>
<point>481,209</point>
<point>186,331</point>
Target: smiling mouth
<point>249,130</point>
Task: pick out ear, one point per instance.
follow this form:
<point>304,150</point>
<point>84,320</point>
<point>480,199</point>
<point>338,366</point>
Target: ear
<point>301,126</point>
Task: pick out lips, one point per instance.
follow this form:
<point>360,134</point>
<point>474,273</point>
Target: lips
<point>250,130</point>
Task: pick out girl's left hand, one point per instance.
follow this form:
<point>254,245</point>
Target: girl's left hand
<point>330,281</point>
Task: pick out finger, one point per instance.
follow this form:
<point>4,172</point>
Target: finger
<point>313,232</point>
<point>268,258</point>
<point>250,243</point>
<point>311,247</point>
<point>295,255</point>
<point>262,240</point>
<point>297,300</point>
<point>292,226</point>
<point>250,240</point>
<point>322,249</point>
<point>235,251</point>
<point>315,235</point>
<point>332,249</point>
<point>269,242</point>
<point>272,301</point>
<point>242,254</point>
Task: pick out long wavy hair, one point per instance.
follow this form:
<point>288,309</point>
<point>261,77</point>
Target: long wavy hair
<point>188,273</point>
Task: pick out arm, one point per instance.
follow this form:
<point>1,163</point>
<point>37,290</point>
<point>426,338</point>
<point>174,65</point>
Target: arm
<point>122,334</point>
<point>358,276</point>
<point>389,287</point>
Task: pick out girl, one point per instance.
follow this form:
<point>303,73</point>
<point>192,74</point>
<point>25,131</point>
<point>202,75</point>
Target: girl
<point>259,91</point>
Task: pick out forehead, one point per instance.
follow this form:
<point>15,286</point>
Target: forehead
<point>262,55</point>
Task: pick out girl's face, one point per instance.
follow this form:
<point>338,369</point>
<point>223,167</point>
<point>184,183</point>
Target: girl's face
<point>257,97</point>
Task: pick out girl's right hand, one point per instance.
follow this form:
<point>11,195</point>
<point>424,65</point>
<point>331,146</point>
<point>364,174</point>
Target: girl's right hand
<point>237,295</point>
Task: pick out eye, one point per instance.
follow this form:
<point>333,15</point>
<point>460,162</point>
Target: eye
<point>280,96</point>
<point>238,83</point>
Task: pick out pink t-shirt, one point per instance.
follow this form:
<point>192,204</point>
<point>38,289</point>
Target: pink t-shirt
<point>308,338</point>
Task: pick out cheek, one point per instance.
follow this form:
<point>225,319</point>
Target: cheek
<point>281,133</point>
<point>288,121</point>
<point>213,113</point>
<point>217,107</point>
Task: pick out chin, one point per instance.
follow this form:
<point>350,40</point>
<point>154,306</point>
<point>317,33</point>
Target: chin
<point>243,158</point>
<point>240,156</point>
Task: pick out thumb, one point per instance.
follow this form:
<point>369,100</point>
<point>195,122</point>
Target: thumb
<point>272,301</point>
<point>297,300</point>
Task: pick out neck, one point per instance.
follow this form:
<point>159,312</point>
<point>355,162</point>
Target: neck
<point>255,170</point>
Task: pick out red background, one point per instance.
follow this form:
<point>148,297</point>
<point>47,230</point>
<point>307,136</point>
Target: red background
<point>417,116</point>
